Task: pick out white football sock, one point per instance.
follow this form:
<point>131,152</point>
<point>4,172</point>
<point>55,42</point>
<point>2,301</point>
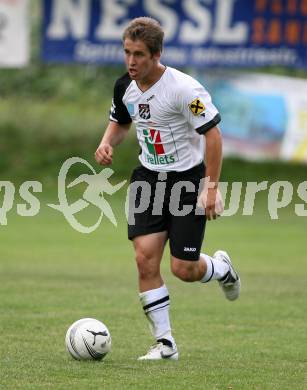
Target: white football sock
<point>156,307</point>
<point>216,268</point>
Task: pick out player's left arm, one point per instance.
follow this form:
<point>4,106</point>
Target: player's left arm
<point>196,105</point>
<point>210,198</point>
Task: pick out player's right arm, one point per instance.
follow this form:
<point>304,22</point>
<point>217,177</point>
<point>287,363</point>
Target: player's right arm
<point>114,135</point>
<point>120,122</point>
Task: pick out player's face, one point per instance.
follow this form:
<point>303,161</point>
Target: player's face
<point>139,61</point>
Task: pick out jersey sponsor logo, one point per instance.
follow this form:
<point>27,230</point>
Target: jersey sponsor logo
<point>153,141</point>
<point>197,107</point>
<point>144,111</point>
<point>155,148</point>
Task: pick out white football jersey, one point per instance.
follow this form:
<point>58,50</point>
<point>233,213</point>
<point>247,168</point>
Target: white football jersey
<point>170,118</point>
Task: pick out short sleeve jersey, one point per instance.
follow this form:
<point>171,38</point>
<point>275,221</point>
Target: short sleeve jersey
<point>170,118</point>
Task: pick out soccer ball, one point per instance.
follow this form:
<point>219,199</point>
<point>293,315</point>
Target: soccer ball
<point>88,339</point>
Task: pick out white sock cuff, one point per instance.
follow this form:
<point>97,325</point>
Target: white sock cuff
<point>154,299</point>
<point>210,268</point>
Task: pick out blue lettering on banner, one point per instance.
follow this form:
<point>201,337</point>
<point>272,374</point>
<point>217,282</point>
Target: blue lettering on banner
<point>198,33</point>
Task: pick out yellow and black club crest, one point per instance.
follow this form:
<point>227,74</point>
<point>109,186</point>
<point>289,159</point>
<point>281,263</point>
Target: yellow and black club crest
<point>197,107</point>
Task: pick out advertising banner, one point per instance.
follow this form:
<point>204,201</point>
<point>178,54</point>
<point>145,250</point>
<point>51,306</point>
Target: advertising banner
<point>197,33</point>
<point>14,33</point>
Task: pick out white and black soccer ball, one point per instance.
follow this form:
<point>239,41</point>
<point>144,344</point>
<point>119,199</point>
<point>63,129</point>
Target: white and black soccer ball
<point>88,339</point>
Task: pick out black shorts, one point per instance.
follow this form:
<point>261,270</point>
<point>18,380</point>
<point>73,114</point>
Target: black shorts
<point>167,202</point>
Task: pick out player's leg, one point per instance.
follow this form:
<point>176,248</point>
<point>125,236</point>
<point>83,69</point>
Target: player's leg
<point>220,267</point>
<point>206,269</point>
<point>185,239</point>
<point>186,234</point>
<point>148,231</point>
<point>187,263</point>
<point>148,254</point>
<point>154,295</point>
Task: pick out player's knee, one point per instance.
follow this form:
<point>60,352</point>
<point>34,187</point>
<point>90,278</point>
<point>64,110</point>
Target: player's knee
<point>146,265</point>
<point>183,270</point>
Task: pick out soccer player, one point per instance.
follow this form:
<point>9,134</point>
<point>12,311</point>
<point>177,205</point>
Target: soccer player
<point>176,125</point>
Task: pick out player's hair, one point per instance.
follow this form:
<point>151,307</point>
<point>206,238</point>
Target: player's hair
<point>147,30</point>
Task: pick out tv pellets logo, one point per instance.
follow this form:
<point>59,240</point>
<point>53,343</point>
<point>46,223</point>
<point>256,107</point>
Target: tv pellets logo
<point>98,185</point>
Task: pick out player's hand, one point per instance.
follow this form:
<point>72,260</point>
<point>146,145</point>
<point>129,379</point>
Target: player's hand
<point>210,199</point>
<point>104,154</point>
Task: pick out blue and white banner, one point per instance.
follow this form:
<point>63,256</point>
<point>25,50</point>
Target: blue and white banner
<point>197,33</point>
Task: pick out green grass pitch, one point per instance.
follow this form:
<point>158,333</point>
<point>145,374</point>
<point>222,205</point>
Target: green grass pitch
<point>51,275</point>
